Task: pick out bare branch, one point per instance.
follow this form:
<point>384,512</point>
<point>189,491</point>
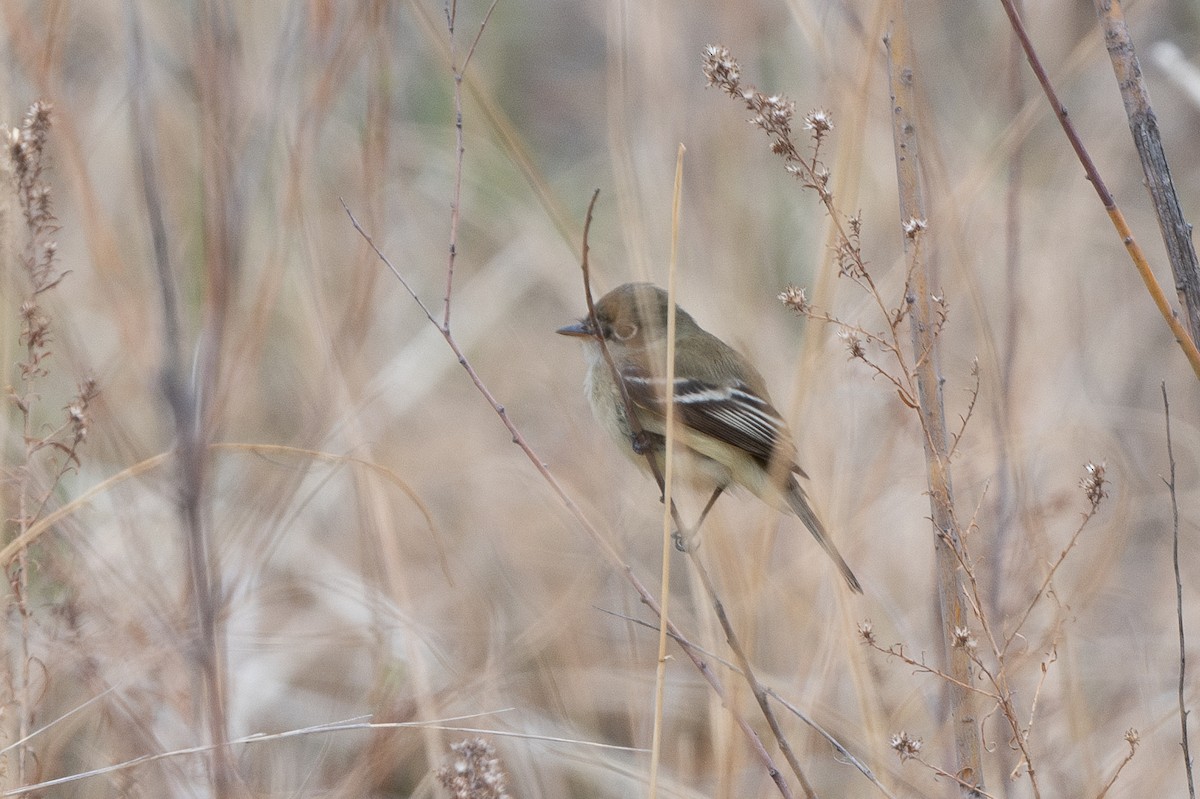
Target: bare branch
<point>1183,711</point>
<point>1093,175</point>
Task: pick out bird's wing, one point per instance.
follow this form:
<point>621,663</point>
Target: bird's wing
<point>732,413</point>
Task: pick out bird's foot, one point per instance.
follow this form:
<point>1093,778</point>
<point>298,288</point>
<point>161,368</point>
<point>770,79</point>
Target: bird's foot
<point>685,542</point>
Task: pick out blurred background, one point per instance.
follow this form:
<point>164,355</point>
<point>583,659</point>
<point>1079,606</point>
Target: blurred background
<point>394,557</point>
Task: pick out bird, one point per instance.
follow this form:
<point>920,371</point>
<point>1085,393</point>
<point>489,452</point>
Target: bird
<point>726,423</point>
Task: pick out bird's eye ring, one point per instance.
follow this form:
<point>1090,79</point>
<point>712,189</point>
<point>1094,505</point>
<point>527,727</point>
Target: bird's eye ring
<point>626,331</point>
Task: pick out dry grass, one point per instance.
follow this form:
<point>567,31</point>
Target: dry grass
<point>392,555</point>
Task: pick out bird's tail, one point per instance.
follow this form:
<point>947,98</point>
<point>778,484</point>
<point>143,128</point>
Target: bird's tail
<point>799,503</point>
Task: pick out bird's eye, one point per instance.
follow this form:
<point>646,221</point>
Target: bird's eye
<point>625,331</point>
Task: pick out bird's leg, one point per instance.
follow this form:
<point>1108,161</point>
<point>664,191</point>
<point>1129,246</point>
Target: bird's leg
<point>687,543</point>
<point>711,501</point>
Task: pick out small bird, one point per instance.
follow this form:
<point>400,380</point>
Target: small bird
<point>725,420</point>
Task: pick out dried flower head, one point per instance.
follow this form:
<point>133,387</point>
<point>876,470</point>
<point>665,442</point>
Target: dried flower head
<point>25,144</point>
<point>818,121</point>
<point>854,343</point>
<point>963,639</point>
<point>1093,483</point>
<point>720,69</point>
<point>474,772</point>
<point>16,151</point>
<point>906,745</point>
<point>35,327</point>
<point>866,631</point>
<point>36,124</point>
<point>78,411</point>
<point>773,113</point>
<point>1133,738</point>
<point>793,297</point>
<point>914,226</point>
<point>26,147</point>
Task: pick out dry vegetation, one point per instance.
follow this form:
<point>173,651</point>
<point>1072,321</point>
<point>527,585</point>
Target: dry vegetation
<point>283,504</point>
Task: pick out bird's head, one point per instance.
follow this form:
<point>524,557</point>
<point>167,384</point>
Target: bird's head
<point>632,315</point>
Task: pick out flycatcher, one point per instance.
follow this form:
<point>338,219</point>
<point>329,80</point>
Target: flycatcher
<point>725,422</point>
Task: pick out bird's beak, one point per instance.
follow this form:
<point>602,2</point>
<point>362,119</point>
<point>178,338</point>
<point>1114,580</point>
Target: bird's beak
<point>581,329</point>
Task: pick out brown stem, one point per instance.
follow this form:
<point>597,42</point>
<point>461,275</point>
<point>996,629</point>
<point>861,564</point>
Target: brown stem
<point>183,395</point>
<point>760,692</point>
<point>1183,711</point>
<point>1176,232</point>
<point>951,601</point>
<point>1114,213</point>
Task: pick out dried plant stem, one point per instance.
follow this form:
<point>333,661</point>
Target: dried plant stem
<point>325,728</point>
<point>791,708</point>
<point>19,581</point>
<point>503,127</point>
<point>897,651</point>
<point>951,600</point>
<point>43,525</point>
<point>1114,213</point>
<point>756,687</point>
<point>1176,232</point>
<point>1037,596</point>
<point>1131,738</point>
<point>973,789</point>
<point>664,590</point>
<point>19,585</point>
<point>459,147</point>
<point>842,751</point>
<point>32,501</point>
<point>183,395</point>
<point>1183,711</point>
<point>49,451</point>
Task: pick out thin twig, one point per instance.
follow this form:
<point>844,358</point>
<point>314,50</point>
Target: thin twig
<point>834,742</point>
<point>1052,657</point>
<point>460,147</point>
<point>1183,711</point>
<point>774,694</point>
<point>478,36</point>
<point>760,693</point>
<point>637,433</point>
<point>1176,232</point>
<point>965,418</point>
<point>962,784</point>
<point>1037,596</point>
<point>897,651</point>
<point>350,725</point>
<point>774,115</point>
<point>459,151</point>
<point>1131,737</point>
<point>998,677</point>
<point>1114,213</point>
